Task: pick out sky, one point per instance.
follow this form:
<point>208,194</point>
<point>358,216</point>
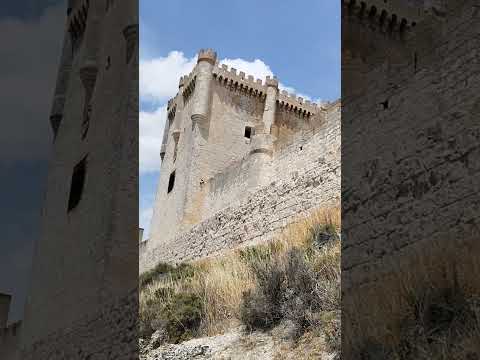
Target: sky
<point>299,42</point>
<point>31,33</point>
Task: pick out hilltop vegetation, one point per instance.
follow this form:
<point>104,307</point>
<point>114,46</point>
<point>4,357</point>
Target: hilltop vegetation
<point>292,282</point>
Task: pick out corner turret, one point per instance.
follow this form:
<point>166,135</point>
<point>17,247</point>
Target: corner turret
<point>201,98</point>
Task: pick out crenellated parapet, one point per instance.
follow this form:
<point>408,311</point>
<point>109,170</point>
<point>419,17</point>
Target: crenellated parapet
<point>246,84</point>
<point>208,55</point>
<point>78,14</point>
<point>388,17</point>
<point>296,104</point>
<point>189,83</point>
<point>171,110</point>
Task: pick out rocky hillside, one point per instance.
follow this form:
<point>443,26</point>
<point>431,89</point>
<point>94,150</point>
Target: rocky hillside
<point>237,344</point>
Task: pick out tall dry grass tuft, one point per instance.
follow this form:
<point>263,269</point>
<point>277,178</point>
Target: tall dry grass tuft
<point>220,286</point>
<point>299,233</point>
<point>428,307</point>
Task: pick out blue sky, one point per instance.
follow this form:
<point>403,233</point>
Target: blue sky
<point>32,34</point>
<point>299,42</point>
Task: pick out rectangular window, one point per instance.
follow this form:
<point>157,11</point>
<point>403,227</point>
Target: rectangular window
<point>77,184</point>
<point>171,182</point>
<point>248,132</point>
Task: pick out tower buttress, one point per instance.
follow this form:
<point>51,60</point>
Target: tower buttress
<point>270,104</point>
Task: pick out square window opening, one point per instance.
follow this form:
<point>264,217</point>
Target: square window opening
<point>248,132</point>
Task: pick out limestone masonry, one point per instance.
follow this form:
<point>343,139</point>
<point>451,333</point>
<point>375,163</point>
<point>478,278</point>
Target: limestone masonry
<point>240,160</point>
<point>410,91</point>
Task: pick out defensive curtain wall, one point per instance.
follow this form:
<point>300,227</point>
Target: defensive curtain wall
<point>410,92</point>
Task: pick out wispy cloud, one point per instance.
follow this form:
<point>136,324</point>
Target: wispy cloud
<point>151,133</point>
<point>159,76</point>
<point>144,220</point>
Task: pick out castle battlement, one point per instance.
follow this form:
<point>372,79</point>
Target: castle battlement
<point>394,18</point>
<point>239,82</point>
<point>244,83</point>
<point>229,135</point>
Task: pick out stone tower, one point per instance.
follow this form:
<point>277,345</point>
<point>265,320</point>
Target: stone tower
<point>223,134</point>
<point>83,297</point>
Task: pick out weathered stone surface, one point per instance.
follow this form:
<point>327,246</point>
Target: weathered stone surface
<point>410,155</point>
<point>83,298</point>
<point>301,176</point>
<point>206,143</point>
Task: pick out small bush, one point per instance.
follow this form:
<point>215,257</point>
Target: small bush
<point>182,270</point>
<point>261,306</point>
<point>149,276</point>
<point>183,316</point>
<point>322,234</point>
<point>290,287</point>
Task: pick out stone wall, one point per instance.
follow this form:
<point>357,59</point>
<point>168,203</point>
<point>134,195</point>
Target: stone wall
<point>82,262</point>
<point>429,136</point>
<point>419,109</point>
<point>109,333</point>
<point>10,341</point>
<point>303,176</point>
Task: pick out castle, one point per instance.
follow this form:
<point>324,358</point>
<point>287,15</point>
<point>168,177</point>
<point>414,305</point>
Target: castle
<point>240,160</point>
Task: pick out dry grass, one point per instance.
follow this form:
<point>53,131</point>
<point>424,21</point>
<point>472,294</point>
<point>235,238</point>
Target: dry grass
<point>220,283</point>
<point>428,308</point>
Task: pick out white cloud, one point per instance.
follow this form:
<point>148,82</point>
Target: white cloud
<point>257,67</point>
<point>144,221</point>
<point>159,77</point>
<point>151,125</point>
<point>260,70</point>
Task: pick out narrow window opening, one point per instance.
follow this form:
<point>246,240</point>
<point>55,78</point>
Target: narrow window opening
<point>77,184</point>
<point>171,182</point>
<point>248,132</point>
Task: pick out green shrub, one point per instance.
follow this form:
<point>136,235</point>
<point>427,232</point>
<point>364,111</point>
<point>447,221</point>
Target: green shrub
<point>290,288</point>
<point>179,315</point>
<point>261,307</point>
<point>182,270</point>
<point>183,316</point>
<point>149,276</point>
